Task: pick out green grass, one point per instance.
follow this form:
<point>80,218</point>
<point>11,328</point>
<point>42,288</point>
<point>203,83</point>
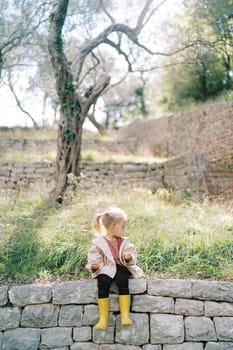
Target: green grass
<point>181,239</point>
<point>28,133</point>
<point>36,156</point>
<point>121,158</point>
<point>28,157</point>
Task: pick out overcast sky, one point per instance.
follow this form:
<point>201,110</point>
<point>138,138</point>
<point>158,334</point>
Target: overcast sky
<point>11,115</point>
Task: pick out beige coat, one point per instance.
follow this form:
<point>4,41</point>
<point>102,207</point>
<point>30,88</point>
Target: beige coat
<point>100,252</point>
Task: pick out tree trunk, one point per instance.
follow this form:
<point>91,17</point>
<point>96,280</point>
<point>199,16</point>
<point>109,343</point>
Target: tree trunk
<point>68,155</point>
<point>70,123</point>
<point>1,63</point>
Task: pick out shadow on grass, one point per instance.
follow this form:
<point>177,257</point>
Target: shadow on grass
<point>27,257</point>
<point>19,257</point>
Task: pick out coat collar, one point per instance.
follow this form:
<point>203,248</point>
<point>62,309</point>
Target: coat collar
<point>103,245</point>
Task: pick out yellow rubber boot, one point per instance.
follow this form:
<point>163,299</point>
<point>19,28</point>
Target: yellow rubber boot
<point>103,304</point>
<point>124,301</point>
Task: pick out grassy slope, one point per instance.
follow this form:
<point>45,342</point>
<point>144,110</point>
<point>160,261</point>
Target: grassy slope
<point>174,238</point>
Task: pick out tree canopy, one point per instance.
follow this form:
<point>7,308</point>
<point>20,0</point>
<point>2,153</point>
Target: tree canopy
<point>205,69</point>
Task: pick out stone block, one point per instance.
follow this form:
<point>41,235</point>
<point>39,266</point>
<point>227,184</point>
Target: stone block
<point>219,346</point>
<point>9,318</point>
<point>189,307</point>
<point>199,329</point>
<point>184,346</point>
<point>137,285</point>
<point>114,302</point>
<point>40,316</point>
<point>153,304</point>
<point>62,348</point>
<point>118,347</point>
<point>71,316</point>
<point>21,339</point>
<point>166,329</point>
<point>212,290</point>
<point>90,315</point>
<point>80,292</point>
<point>137,334</point>
<point>213,308</point>
<point>224,328</point>
<point>30,294</point>
<point>56,337</point>
<point>84,346</point>
<point>103,336</point>
<point>170,288</point>
<point>3,295</point>
<point>82,334</point>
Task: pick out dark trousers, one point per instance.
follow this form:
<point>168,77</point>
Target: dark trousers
<point>121,278</point>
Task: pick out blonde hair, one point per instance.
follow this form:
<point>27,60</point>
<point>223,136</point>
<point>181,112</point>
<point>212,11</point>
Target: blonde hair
<point>112,216</point>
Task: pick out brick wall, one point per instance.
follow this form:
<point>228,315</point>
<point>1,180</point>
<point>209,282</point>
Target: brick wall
<point>207,130</point>
<point>167,314</point>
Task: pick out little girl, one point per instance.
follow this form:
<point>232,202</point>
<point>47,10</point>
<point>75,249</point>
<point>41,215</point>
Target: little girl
<point>112,257</point>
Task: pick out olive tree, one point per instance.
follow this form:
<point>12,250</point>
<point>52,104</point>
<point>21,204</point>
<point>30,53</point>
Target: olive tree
<point>75,92</point>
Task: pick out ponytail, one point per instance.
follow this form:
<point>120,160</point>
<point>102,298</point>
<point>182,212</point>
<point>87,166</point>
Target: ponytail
<point>102,221</point>
<point>97,224</point>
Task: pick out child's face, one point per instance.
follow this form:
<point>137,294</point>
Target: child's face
<point>118,229</point>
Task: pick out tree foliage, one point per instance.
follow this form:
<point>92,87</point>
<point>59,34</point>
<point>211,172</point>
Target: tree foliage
<point>205,69</point>
<point>19,20</point>
<point>20,28</point>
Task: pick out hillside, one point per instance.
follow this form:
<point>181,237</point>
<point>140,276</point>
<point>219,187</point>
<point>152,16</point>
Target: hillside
<point>176,235</point>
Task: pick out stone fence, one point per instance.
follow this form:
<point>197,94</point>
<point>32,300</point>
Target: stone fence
<point>167,314</point>
<point>191,173</point>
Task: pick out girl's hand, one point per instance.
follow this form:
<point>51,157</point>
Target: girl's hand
<point>128,257</point>
<point>94,267</point>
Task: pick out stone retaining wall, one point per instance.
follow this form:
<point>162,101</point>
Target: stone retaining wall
<point>183,174</point>
<point>191,173</point>
<point>167,315</point>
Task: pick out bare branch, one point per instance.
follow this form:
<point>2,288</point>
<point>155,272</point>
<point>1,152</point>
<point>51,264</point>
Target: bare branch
<point>158,53</point>
<point>19,103</point>
<point>91,69</point>
<point>106,12</point>
<point>96,90</point>
<point>131,33</point>
<point>141,23</point>
<point>20,34</point>
<point>100,39</point>
<point>144,12</point>
<point>112,19</point>
<point>91,117</point>
<point>120,51</point>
